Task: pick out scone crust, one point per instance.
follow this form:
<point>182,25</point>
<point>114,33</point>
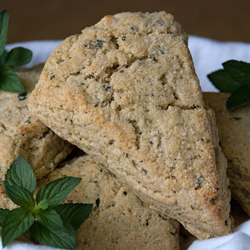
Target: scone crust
<point>125,91</point>
<point>21,134</point>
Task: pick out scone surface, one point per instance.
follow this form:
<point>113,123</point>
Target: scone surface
<point>126,91</point>
<point>119,220</point>
<point>21,134</point>
<point>234,135</point>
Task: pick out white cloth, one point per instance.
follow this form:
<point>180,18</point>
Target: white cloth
<point>239,240</point>
<point>208,55</point>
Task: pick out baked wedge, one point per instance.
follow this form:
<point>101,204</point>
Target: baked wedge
<point>125,91</point>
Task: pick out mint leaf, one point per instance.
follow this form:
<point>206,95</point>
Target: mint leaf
<point>56,191</point>
<point>9,61</point>
<point>238,70</point>
<point>50,218</point>
<point>74,213</point>
<point>3,213</point>
<point>18,56</point>
<point>239,98</point>
<point>9,81</point>
<point>16,222</point>
<point>21,174</point>
<point>20,196</point>
<point>3,57</point>
<point>4,23</point>
<point>223,81</point>
<point>42,205</point>
<point>234,79</point>
<point>59,238</point>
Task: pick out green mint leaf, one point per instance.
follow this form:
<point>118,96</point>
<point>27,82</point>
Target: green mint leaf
<point>239,97</point>
<point>9,61</point>
<point>44,204</point>
<point>20,196</point>
<point>74,213</point>
<point>238,70</point>
<point>56,191</point>
<point>50,218</point>
<point>223,81</point>
<point>9,81</point>
<point>3,213</point>
<point>3,57</point>
<point>4,23</point>
<point>59,238</point>
<point>16,222</point>
<point>21,174</point>
<point>18,56</point>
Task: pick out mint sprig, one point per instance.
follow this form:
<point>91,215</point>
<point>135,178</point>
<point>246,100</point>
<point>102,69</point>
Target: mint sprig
<point>10,61</point>
<point>234,79</point>
<point>42,220</point>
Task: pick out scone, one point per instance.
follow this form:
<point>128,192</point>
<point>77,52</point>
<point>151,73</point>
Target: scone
<point>125,91</point>
<point>21,134</point>
<point>234,135</point>
<point>119,220</point>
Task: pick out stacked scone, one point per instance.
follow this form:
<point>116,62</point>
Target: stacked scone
<point>21,134</point>
<point>125,92</point>
<point>119,219</point>
<point>234,135</point>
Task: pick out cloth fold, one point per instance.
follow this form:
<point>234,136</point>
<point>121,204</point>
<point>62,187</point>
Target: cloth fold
<point>208,55</point>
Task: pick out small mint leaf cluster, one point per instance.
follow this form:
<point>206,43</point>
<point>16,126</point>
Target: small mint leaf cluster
<point>234,79</point>
<point>10,61</point>
<point>41,219</point>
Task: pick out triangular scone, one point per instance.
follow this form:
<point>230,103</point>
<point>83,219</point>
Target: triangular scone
<point>119,219</point>
<point>234,135</point>
<point>21,134</point>
<point>125,90</point>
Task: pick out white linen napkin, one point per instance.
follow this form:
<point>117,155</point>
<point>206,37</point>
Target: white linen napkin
<point>208,55</point>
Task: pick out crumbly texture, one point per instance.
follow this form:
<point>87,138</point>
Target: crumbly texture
<point>125,91</point>
<point>21,134</point>
<point>119,219</point>
<point>234,135</point>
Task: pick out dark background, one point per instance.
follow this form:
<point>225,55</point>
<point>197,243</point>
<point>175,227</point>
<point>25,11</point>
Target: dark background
<point>224,20</point>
